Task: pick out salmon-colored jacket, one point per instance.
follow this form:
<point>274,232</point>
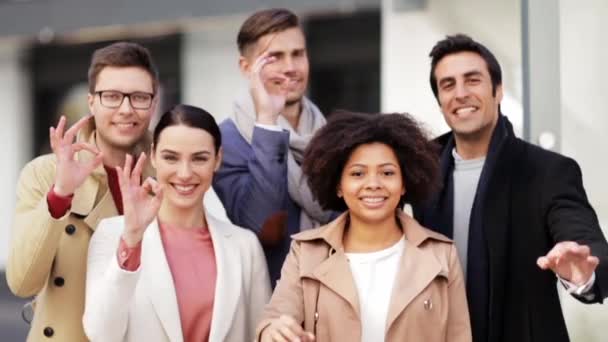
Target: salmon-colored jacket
<point>316,288</point>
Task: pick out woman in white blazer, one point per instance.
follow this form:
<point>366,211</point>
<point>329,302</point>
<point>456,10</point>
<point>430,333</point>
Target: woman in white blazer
<point>167,270</point>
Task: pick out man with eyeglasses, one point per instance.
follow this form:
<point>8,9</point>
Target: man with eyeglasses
<point>63,195</point>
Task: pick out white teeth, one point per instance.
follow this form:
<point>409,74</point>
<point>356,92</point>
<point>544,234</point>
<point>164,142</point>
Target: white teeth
<point>465,110</point>
<point>373,199</point>
<point>125,125</point>
<point>184,188</point>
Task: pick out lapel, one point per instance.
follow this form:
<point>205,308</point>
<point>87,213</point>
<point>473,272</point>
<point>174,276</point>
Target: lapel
<point>85,196</point>
<point>85,202</point>
<point>158,283</point>
<point>417,268</point>
<point>228,282</point>
<point>333,270</point>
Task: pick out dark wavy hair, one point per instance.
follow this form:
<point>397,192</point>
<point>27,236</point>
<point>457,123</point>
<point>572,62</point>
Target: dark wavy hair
<point>463,43</point>
<point>189,116</point>
<point>332,146</point>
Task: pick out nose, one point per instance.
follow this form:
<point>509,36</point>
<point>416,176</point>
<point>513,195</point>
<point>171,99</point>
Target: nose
<point>461,90</point>
<point>288,64</point>
<point>373,181</point>
<point>184,171</point>
<point>125,106</point>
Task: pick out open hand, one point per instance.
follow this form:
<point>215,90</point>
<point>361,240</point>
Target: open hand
<point>285,329</point>
<point>268,90</point>
<point>570,261</point>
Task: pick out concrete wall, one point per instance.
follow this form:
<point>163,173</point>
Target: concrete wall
<point>14,134</point>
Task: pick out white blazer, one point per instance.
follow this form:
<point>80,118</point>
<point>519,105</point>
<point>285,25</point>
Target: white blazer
<point>142,305</point>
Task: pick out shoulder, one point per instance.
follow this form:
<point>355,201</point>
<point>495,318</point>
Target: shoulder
<point>40,166</point>
<point>242,236</point>
<point>546,161</point>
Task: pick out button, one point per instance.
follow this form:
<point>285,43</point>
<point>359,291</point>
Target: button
<point>59,281</point>
<point>280,158</point>
<point>428,305</point>
<point>70,229</point>
<point>48,331</point>
<point>123,254</point>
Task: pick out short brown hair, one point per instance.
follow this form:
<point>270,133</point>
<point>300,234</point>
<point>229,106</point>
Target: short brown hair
<point>331,147</point>
<point>262,23</point>
<point>121,54</point>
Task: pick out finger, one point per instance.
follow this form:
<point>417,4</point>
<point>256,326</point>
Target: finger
<point>293,326</point>
<point>593,261</point>
<point>126,171</point>
<point>93,164</point>
<point>308,337</point>
<point>121,178</point>
<point>137,170</point>
<point>60,127</point>
<point>276,336</point>
<point>71,132</point>
<point>52,138</point>
<point>545,263</point>
<point>148,185</point>
<point>575,253</point>
<point>288,333</point>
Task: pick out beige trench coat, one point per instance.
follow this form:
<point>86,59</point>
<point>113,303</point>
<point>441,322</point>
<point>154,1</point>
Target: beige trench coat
<point>316,288</point>
<point>48,256</point>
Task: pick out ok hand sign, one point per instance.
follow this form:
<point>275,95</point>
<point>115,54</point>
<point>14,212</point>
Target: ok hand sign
<point>140,202</point>
<point>71,173</point>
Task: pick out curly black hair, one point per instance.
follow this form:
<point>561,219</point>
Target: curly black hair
<point>332,146</point>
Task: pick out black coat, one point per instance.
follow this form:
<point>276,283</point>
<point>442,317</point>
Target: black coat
<point>533,198</point>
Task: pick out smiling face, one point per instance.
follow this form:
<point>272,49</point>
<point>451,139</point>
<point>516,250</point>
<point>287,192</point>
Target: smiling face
<point>123,127</point>
<point>185,160</point>
<point>465,95</point>
<point>289,49</point>
<point>372,183</point>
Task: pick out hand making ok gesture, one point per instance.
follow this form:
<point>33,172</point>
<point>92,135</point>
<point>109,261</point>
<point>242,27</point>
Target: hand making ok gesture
<point>70,172</point>
<point>141,202</point>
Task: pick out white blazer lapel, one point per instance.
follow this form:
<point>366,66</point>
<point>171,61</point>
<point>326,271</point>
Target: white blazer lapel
<point>228,283</point>
<point>158,283</point>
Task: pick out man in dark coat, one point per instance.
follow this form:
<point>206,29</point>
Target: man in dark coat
<point>518,214</point>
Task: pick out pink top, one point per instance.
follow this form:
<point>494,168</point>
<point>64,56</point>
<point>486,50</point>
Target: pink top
<point>191,258</point>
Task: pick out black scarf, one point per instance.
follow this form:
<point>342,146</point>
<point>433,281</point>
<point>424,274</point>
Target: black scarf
<point>439,215</point>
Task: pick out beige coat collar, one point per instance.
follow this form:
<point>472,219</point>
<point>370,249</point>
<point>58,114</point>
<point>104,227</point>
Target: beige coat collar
<point>418,265</point>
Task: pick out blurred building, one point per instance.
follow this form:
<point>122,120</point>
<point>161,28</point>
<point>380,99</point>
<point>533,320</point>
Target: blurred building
<point>366,55</point>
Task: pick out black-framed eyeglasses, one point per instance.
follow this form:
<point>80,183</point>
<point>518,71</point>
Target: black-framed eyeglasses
<point>113,99</point>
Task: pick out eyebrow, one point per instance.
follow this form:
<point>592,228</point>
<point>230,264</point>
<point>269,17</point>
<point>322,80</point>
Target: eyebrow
<point>365,165</point>
<point>466,75</point>
<point>175,152</point>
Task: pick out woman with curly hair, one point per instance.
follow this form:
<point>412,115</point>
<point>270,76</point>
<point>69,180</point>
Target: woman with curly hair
<point>373,274</point>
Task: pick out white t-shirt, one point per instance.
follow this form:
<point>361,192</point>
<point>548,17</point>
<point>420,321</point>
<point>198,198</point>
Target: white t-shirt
<point>374,274</point>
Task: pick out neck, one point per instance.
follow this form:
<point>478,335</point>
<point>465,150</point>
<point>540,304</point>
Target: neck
<point>364,237</point>
<point>291,113</point>
<point>475,145</point>
<point>113,156</point>
<point>189,218</point>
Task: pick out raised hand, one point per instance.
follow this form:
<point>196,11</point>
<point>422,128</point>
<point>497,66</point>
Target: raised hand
<point>268,90</point>
<point>71,173</point>
<point>140,202</point>
<point>570,261</point>
<point>285,329</point>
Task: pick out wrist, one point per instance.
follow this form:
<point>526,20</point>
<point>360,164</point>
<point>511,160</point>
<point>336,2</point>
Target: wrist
<point>131,239</point>
<point>266,119</point>
<point>62,191</point>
